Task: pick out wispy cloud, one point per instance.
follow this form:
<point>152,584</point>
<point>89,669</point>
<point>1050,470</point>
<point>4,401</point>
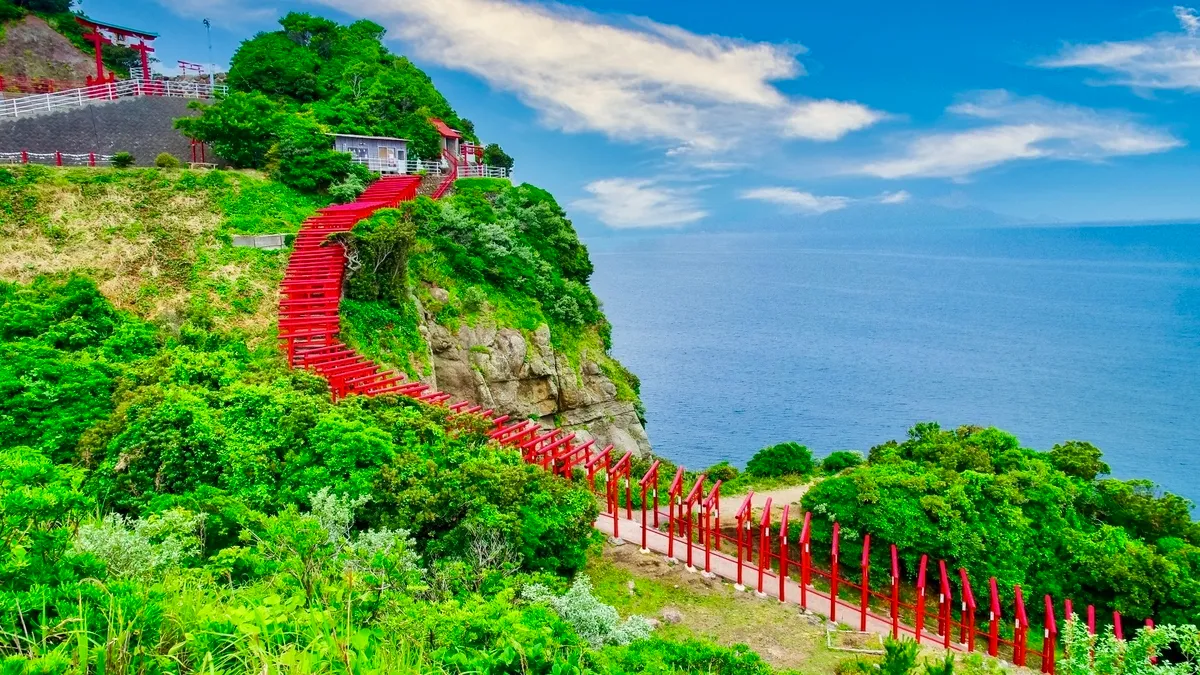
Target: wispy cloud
<point>627,203</point>
<point>632,79</point>
<point>794,199</point>
<point>1188,19</point>
<point>224,13</point>
<point>1020,129</point>
<point>797,200</point>
<point>1164,61</point>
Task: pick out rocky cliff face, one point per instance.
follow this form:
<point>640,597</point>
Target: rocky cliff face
<point>522,375</point>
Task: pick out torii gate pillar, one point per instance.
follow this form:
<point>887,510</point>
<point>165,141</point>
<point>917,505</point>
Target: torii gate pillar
<point>98,41</point>
<point>144,50</point>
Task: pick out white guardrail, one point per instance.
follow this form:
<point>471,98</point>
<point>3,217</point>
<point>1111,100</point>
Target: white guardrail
<point>55,158</point>
<point>74,98</point>
<point>483,171</point>
<point>433,167</point>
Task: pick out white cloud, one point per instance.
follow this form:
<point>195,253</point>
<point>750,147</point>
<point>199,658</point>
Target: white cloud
<point>1189,20</point>
<point>897,197</point>
<point>224,13</point>
<point>626,203</point>
<point>634,81</point>
<point>797,200</point>
<point>1022,128</point>
<point>1165,61</point>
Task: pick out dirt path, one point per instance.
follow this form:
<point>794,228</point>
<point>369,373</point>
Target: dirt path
<point>779,497</point>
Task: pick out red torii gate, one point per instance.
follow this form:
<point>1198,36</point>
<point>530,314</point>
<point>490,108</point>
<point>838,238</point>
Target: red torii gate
<point>98,40</point>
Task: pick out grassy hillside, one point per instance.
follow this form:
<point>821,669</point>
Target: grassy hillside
<point>155,242</point>
<point>173,498</point>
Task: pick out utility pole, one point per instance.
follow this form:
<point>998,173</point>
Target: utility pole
<point>212,82</point>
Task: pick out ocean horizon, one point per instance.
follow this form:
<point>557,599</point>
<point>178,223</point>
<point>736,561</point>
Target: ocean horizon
<point>844,339</point>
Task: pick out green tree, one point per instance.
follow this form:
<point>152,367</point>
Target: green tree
<point>240,128</point>
<point>381,246</point>
<point>840,460</point>
<point>1078,458</point>
<point>782,459</point>
<point>494,155</point>
<point>303,157</point>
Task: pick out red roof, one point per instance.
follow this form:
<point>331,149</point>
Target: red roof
<point>443,129</point>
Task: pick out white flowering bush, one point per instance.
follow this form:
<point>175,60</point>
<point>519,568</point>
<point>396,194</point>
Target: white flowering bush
<point>1104,654</point>
<point>593,620</point>
<point>141,547</point>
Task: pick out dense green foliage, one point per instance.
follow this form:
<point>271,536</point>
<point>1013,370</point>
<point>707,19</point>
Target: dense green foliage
<point>840,460</point>
<point>782,459</point>
<point>171,495</point>
<point>494,155</point>
<point>293,86</point>
<point>977,499</point>
<point>1166,650</point>
<point>229,471</point>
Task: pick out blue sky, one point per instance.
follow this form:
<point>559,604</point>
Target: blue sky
<point>696,114</point>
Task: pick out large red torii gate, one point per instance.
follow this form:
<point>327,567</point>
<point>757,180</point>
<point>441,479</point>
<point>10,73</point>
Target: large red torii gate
<point>98,40</point>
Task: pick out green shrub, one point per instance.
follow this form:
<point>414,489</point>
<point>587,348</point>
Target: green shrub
<point>593,620</point>
<point>347,190</point>
<point>899,656</point>
<point>722,471</point>
<point>493,155</point>
<point>840,460</point>
<point>9,12</point>
<point>474,299</point>
<point>976,498</point>
<point>783,459</point>
<point>123,160</point>
<point>855,665</point>
<point>303,157</point>
<point>166,160</point>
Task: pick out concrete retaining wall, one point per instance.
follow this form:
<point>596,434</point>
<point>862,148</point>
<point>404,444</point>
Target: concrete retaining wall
<point>142,126</point>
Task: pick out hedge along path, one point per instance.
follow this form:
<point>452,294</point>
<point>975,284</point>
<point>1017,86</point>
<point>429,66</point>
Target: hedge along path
<point>759,548</point>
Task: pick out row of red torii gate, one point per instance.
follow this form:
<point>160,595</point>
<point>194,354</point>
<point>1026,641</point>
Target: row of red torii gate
<point>748,550</point>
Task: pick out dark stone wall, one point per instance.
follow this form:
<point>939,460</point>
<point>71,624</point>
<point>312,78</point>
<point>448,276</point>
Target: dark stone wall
<point>142,126</point>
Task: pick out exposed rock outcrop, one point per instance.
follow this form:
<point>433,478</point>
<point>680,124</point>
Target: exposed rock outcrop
<point>32,48</point>
<point>522,375</point>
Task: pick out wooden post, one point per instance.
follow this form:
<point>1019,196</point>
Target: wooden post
<point>865,567</point>
<point>833,574</point>
<point>805,560</point>
<point>783,552</point>
<point>764,548</point>
<point>1020,629</point>
<point>994,620</point>
<point>920,627</point>
<point>945,617</point>
<point>968,611</point>
<point>895,594</point>
<point>1049,636</point>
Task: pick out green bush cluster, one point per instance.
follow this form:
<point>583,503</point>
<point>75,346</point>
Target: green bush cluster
<point>782,459</point>
<point>172,501</point>
<point>123,160</point>
<point>1046,520</point>
<point>515,242</point>
<point>294,86</point>
<point>840,460</point>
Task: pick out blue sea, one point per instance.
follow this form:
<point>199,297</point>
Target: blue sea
<point>843,340</point>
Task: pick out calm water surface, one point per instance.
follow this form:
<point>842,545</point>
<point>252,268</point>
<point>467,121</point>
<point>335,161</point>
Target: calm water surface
<point>842,341</point>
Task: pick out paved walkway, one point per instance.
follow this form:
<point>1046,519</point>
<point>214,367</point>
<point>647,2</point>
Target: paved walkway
<point>725,567</point>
